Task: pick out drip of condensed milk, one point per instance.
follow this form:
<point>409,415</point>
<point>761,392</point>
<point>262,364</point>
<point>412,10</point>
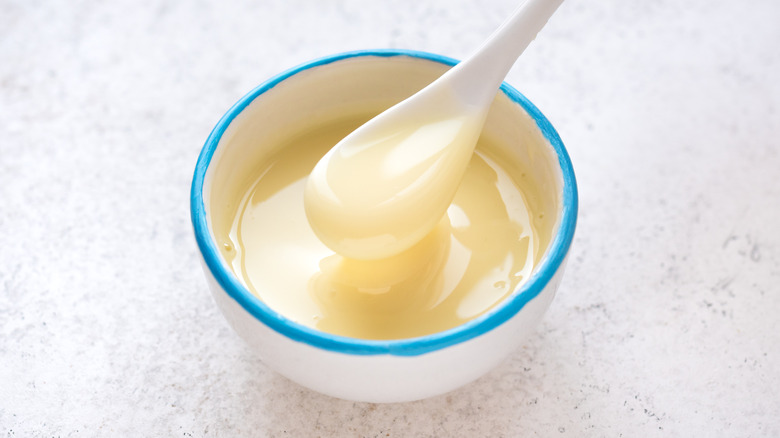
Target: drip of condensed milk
<point>381,190</point>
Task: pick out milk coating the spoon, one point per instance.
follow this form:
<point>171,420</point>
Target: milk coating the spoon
<point>385,186</point>
<point>384,189</point>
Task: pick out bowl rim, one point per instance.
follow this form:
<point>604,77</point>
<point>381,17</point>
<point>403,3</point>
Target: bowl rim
<point>552,260</point>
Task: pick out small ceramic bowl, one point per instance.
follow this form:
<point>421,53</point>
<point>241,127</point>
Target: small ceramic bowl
<point>369,370</point>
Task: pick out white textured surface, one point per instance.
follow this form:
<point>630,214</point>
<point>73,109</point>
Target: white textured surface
<point>665,324</point>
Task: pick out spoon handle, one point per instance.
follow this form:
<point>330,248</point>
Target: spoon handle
<point>478,77</point>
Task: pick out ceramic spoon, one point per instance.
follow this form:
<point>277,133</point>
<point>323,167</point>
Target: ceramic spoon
<point>386,185</point>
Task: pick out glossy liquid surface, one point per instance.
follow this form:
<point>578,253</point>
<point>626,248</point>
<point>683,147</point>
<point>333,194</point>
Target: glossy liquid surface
<point>359,195</point>
<point>482,250</point>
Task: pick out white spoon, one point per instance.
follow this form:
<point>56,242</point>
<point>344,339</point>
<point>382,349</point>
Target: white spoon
<point>386,185</point>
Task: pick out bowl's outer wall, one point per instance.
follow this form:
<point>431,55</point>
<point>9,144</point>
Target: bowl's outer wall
<point>384,378</point>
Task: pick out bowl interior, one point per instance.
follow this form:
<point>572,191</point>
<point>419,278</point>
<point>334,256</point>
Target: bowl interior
<point>351,85</point>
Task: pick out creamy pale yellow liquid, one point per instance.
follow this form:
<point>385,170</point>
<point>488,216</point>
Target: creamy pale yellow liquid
<point>482,250</point>
<point>358,198</point>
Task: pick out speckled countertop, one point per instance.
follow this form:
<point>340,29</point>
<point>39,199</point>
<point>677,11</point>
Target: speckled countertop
<point>665,323</point>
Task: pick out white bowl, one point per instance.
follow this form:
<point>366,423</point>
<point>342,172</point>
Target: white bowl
<point>367,370</point>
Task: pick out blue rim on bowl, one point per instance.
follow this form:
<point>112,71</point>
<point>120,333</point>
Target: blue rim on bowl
<point>549,264</point>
